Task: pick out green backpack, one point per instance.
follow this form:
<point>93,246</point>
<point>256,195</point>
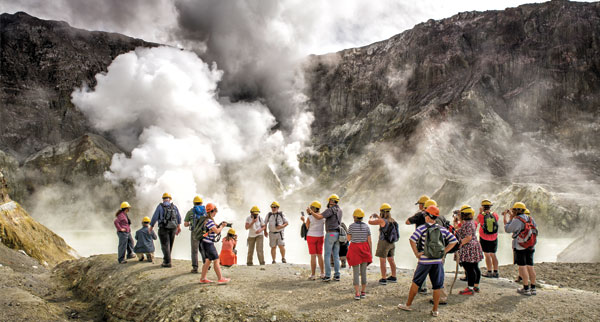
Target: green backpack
<point>434,243</point>
<point>200,228</point>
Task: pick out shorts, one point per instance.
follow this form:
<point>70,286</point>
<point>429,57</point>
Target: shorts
<point>385,249</point>
<point>276,239</point>
<point>524,257</point>
<point>315,245</point>
<point>488,246</point>
<point>210,251</point>
<point>435,272</point>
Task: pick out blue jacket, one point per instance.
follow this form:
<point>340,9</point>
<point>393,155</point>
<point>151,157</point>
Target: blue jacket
<point>160,212</point>
<point>145,243</point>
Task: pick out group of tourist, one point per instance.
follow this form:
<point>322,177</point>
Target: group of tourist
<point>325,233</point>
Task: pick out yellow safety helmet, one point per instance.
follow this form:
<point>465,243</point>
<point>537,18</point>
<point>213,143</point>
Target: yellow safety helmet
<point>334,197</point>
<point>275,204</point>
<point>166,195</point>
<point>486,202</point>
<point>231,231</point>
<point>519,205</point>
<point>315,204</point>
<point>422,199</point>
<point>527,212</point>
<point>197,199</point>
<point>358,213</point>
<point>146,219</point>
<point>125,204</point>
<point>254,210</point>
<point>467,209</point>
<point>385,206</point>
<point>429,202</point>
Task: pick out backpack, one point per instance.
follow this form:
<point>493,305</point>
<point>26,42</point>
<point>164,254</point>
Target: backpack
<point>434,243</point>
<point>196,213</point>
<point>490,224</point>
<point>169,219</point>
<point>200,228</point>
<point>303,231</point>
<point>527,238</point>
<point>390,232</point>
<point>343,238</point>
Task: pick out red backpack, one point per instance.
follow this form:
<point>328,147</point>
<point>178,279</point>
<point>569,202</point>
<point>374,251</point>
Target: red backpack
<point>527,238</point>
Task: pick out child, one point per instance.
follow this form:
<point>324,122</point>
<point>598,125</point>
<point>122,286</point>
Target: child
<point>359,251</point>
<point>228,254</point>
<point>208,246</point>
<point>145,243</point>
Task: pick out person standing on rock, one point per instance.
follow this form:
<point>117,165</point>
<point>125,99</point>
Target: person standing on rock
<point>315,237</point>
<point>470,250</point>
<point>276,223</point>
<point>418,219</point>
<point>169,225</point>
<point>430,243</point>
<point>524,234</point>
<point>208,244</point>
<point>123,225</point>
<point>359,252</point>
<point>333,218</point>
<point>388,236</point>
<point>488,237</point>
<point>191,218</point>
<point>145,242</point>
<point>256,227</point>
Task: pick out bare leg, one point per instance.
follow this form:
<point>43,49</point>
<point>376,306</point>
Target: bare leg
<point>524,275</point>
<point>488,261</point>
<point>531,273</point>
<point>436,299</point>
<point>320,257</point>
<point>205,269</point>
<point>313,264</point>
<point>382,267</point>
<point>494,261</point>
<point>392,265</point>
<point>273,252</point>
<point>218,269</point>
<point>282,250</point>
<point>412,293</point>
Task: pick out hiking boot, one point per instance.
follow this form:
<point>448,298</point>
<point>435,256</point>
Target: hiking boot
<point>150,259</point>
<point>532,291</point>
<point>141,259</point>
<point>194,270</point>
<point>496,275</point>
<point>336,278</point>
<point>488,275</point>
<point>283,260</point>
<point>123,262</point>
<point>383,281</point>
<point>363,295</point>
<point>423,290</point>
<point>130,256</point>
<point>392,279</point>
<point>524,291</point>
<point>357,296</point>
<point>466,291</point>
<point>165,265</point>
<point>273,262</point>
<point>326,279</point>
<point>249,264</point>
<point>476,289</point>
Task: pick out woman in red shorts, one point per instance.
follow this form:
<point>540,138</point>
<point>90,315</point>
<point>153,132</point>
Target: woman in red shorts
<point>315,237</point>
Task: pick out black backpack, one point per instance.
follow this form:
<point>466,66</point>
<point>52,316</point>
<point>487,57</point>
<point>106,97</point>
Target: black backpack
<point>490,224</point>
<point>390,232</point>
<point>434,245</point>
<point>169,219</point>
<point>303,231</point>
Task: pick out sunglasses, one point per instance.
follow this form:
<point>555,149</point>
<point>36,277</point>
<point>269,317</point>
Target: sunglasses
<point>386,211</point>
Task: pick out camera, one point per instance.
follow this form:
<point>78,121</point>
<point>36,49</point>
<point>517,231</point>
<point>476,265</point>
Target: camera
<point>227,224</point>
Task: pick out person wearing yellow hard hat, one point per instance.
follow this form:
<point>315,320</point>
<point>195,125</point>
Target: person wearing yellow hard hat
<point>524,234</point>
<point>228,254</point>
<point>192,217</point>
<point>470,250</point>
<point>386,245</point>
<point>315,237</point>
<point>359,252</point>
<point>276,223</point>
<point>123,225</point>
<point>418,219</point>
<point>333,219</point>
<point>169,225</point>
<point>488,237</point>
<point>144,247</point>
<point>255,226</point>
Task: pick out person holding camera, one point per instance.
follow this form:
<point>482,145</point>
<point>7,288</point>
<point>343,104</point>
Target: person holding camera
<point>470,250</point>
<point>488,237</point>
<point>169,225</point>
<point>228,254</point>
<point>208,245</point>
<point>333,219</point>
<point>524,234</point>
<point>256,227</point>
<point>276,223</point>
<point>315,237</point>
<point>388,235</point>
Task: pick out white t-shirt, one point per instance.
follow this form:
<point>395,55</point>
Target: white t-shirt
<point>275,220</point>
<point>253,228</point>
<point>317,227</point>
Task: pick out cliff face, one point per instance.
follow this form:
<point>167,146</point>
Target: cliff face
<point>42,62</point>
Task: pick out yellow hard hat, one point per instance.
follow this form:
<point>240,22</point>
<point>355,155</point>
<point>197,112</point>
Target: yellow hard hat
<point>125,204</point>
<point>429,202</point>
<point>519,205</point>
<point>146,219</point>
<point>254,209</point>
<point>422,199</point>
<point>486,202</point>
<point>197,199</point>
<point>358,213</point>
<point>275,204</point>
<point>385,206</point>
<point>315,204</point>
<point>166,195</point>
<point>467,209</point>
<point>334,197</point>
<point>527,212</point>
<point>231,231</point>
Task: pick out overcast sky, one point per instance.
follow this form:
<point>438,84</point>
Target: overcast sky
<point>315,26</point>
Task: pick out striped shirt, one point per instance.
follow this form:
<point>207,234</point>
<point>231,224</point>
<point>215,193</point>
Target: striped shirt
<point>420,235</point>
<point>210,238</point>
<point>359,232</point>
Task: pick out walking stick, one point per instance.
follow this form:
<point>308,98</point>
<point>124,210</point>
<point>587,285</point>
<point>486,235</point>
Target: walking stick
<point>457,258</point>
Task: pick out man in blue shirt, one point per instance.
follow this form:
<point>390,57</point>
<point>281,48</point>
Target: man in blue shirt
<point>169,224</point>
